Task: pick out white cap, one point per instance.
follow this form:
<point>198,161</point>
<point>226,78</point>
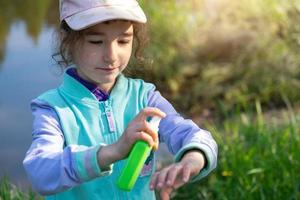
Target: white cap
<point>80,14</point>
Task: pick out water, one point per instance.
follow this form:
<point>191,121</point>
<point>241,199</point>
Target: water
<point>26,71</point>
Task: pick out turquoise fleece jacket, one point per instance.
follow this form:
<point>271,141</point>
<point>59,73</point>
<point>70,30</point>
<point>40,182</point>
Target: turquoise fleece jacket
<point>86,125</point>
<point>86,121</point>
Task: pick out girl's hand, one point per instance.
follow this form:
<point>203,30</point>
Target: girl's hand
<point>177,174</point>
<point>139,129</point>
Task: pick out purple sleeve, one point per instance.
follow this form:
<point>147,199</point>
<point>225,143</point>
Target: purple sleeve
<point>51,167</point>
<point>181,135</point>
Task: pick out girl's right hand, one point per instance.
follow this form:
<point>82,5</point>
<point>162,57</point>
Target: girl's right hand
<point>139,129</point>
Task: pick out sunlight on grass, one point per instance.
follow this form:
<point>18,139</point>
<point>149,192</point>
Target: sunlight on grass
<point>258,159</point>
<point>9,191</point>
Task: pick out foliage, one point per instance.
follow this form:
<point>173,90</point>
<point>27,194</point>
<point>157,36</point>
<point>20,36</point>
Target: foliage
<point>224,56</point>
<point>32,13</point>
<point>258,159</point>
<point>9,191</point>
<point>219,56</point>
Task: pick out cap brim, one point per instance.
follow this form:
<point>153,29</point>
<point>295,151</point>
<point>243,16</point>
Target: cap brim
<point>97,15</point>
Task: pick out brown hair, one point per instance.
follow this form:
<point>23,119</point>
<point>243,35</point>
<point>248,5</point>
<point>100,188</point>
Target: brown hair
<point>68,39</point>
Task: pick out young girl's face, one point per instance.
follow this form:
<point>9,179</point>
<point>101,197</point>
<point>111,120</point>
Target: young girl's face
<point>104,52</point>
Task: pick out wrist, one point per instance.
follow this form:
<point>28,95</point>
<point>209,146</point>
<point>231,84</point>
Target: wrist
<point>195,156</point>
<point>106,156</point>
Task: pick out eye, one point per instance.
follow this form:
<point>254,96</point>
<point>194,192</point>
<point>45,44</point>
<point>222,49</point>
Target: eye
<point>96,42</point>
<point>124,41</point>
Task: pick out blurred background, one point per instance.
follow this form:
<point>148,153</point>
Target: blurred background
<point>230,65</point>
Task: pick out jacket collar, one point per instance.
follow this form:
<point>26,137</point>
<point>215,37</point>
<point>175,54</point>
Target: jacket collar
<point>78,91</point>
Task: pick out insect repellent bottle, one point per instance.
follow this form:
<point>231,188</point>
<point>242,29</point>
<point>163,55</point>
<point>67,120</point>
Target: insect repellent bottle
<point>136,160</point>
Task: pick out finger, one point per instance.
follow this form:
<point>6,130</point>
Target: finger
<point>173,174</point>
<point>145,127</point>
<point>165,193</point>
<point>161,179</point>
<point>149,112</point>
<point>156,144</point>
<point>153,180</point>
<point>148,129</point>
<point>184,178</point>
<point>145,137</point>
<point>186,173</point>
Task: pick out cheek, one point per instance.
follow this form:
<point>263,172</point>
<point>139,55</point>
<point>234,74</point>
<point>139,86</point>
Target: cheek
<point>93,56</point>
<point>126,54</point>
<point>89,57</point>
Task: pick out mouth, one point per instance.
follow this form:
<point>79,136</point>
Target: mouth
<point>107,69</point>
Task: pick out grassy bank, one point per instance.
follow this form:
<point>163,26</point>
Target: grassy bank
<point>258,159</point>
<point>8,191</point>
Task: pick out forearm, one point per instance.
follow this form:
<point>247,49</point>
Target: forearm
<point>106,156</point>
<point>50,172</point>
<point>50,166</point>
<point>199,142</point>
<point>183,135</point>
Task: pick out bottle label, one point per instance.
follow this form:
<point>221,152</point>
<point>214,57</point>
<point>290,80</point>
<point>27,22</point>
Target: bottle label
<point>148,166</point>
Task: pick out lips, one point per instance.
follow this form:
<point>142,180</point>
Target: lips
<point>106,69</point>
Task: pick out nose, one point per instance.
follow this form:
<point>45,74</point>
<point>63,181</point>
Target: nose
<point>110,54</point>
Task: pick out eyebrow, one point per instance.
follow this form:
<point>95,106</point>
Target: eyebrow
<point>95,33</point>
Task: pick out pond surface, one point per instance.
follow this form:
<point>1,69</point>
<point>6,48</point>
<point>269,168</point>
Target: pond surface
<point>26,71</point>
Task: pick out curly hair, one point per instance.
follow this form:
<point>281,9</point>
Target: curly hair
<point>69,38</point>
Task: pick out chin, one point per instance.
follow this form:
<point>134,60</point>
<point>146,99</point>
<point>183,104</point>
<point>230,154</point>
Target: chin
<point>107,80</point>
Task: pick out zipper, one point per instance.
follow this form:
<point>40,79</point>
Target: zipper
<point>109,116</point>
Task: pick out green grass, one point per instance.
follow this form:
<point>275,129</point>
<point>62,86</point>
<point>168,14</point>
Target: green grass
<point>258,159</point>
<point>9,191</point>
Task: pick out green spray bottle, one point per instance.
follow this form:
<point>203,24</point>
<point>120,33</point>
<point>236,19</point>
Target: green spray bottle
<point>136,160</point>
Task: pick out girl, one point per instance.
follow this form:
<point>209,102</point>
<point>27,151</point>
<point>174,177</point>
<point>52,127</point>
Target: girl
<point>84,129</point>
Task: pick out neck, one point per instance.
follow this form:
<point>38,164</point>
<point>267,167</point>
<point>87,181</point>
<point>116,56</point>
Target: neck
<point>106,87</point>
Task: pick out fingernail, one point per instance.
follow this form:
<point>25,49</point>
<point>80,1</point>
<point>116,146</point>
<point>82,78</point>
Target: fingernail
<point>159,185</point>
<point>169,182</point>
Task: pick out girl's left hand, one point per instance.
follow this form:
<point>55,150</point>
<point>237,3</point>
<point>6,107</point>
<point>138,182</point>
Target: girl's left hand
<point>177,174</point>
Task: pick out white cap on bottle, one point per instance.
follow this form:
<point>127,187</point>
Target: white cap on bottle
<point>154,122</point>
